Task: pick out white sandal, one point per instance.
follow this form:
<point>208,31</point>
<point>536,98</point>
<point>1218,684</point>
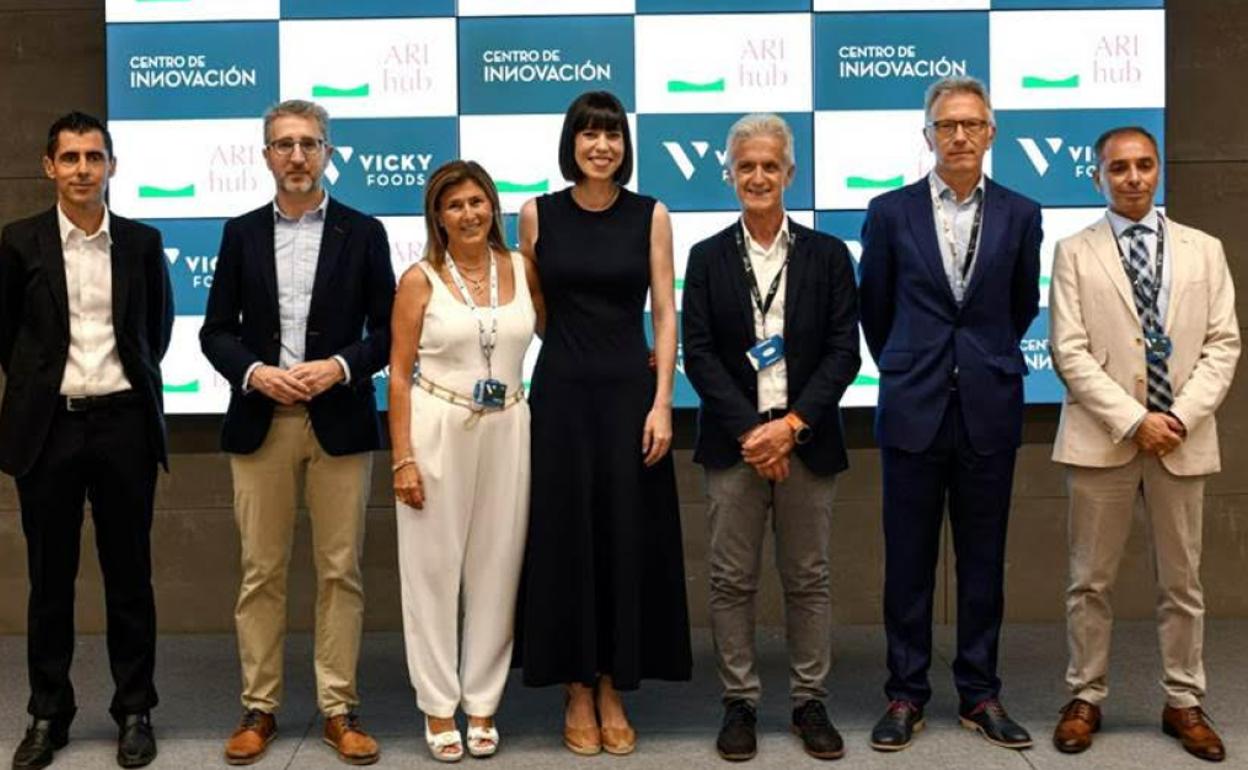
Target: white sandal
<point>482,741</point>
<point>446,746</point>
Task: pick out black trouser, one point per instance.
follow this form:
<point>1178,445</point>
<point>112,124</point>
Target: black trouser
<point>103,455</point>
<point>916,487</point>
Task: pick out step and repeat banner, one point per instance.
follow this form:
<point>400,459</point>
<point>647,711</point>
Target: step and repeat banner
<point>411,84</point>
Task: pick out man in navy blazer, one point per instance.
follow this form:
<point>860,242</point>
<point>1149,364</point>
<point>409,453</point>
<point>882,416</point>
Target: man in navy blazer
<point>298,321</point>
<point>949,284</point>
<point>769,428</point>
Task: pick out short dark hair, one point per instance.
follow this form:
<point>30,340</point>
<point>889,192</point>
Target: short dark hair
<point>596,110</point>
<point>1104,138</point>
<point>77,123</point>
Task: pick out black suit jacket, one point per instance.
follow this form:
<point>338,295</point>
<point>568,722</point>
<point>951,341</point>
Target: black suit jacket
<point>34,328</point>
<point>820,344</point>
<point>352,294</point>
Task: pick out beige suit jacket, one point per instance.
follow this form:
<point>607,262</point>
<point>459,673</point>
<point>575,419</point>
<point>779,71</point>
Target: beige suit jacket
<point>1098,348</point>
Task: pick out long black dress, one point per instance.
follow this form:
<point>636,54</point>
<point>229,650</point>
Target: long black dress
<point>603,590</point>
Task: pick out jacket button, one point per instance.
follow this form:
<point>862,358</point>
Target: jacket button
<point>1139,341</point>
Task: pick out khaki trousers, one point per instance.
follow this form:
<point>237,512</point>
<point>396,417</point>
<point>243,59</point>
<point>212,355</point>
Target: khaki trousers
<point>266,495</point>
<point>800,509</point>
<point>1102,503</point>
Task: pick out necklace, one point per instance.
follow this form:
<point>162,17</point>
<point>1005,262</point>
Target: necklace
<point>615,193</point>
<point>477,282</point>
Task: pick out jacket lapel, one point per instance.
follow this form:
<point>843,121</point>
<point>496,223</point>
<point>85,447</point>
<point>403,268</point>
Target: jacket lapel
<point>923,229</point>
<point>738,279</point>
<point>263,246</point>
<point>799,266</point>
<point>333,237</point>
<point>992,231</point>
<point>121,274</point>
<point>54,265</point>
<point>1178,246</point>
<point>1101,238</point>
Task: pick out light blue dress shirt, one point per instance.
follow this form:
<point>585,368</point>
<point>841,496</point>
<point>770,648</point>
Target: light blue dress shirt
<point>1152,221</point>
<point>961,217</point>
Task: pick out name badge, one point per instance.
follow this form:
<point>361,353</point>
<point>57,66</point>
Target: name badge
<point>1157,347</point>
<point>489,394</point>
<point>766,353</point>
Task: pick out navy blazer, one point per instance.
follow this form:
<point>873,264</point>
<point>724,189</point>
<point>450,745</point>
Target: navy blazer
<point>820,344</point>
<point>34,328</point>
<point>920,337</point>
<point>352,295</point>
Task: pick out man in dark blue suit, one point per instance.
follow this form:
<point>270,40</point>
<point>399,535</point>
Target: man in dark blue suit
<point>298,321</point>
<point>949,284</point>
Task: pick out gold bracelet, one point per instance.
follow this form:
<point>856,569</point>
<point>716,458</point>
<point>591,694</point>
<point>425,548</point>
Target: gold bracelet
<point>403,463</point>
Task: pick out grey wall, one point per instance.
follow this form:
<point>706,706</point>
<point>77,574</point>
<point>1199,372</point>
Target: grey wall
<point>52,59</point>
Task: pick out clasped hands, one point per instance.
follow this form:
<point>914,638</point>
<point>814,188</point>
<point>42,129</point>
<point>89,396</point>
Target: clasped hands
<point>767,448</point>
<point>1159,433</point>
<point>301,382</point>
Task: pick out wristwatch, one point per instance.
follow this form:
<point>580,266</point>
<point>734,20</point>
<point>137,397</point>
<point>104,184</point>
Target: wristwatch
<point>802,432</point>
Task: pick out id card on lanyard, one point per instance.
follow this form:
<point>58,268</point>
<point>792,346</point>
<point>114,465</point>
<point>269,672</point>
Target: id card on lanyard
<point>487,393</point>
<point>770,350</point>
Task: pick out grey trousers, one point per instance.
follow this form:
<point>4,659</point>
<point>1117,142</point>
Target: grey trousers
<point>801,517</point>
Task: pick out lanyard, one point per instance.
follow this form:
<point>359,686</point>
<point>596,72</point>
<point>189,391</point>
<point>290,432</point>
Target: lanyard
<point>763,305</point>
<point>487,341</point>
<point>972,243</point>
<point>1134,274</point>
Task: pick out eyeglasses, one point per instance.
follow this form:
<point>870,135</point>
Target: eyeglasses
<point>947,128</point>
<point>286,147</point>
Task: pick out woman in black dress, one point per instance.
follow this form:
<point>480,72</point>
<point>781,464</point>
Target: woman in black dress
<point>602,602</point>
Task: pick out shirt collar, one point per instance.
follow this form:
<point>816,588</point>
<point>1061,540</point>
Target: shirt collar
<point>782,235</point>
<point>1119,223</point>
<point>68,228</point>
<point>943,190</point>
<point>316,213</point>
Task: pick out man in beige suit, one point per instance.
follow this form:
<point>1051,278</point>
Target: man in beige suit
<point>1145,338</point>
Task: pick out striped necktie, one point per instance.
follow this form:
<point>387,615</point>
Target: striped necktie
<point>1160,395</point>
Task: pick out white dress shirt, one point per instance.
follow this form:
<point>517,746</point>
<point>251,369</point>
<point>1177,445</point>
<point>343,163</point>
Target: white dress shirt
<point>773,382</point>
<point>92,367</point>
<point>961,217</point>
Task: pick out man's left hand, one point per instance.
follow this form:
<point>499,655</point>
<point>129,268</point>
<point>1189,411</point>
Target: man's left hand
<point>318,376</point>
<point>769,442</point>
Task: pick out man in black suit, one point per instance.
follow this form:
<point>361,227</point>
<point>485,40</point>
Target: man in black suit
<point>298,283</point>
<point>770,344</point>
<point>85,316</point>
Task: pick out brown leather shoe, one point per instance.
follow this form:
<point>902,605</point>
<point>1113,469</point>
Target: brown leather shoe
<point>619,740</point>
<point>1192,728</point>
<point>254,733</point>
<point>1073,733</point>
<point>344,735</point>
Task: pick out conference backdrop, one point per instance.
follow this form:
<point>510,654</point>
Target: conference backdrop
<point>411,84</point>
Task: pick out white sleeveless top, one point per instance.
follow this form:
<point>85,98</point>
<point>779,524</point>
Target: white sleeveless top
<point>450,342</point>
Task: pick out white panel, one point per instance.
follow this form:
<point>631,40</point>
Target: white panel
<point>729,63</point>
<point>902,5</point>
<point>359,68</point>
<point>190,10</point>
<point>170,169</point>
<point>407,241</point>
<point>544,7</point>
<point>192,386</point>
<point>1078,59</point>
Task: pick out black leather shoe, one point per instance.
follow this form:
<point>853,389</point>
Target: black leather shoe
<point>819,737</point>
<point>136,743</point>
<point>897,727</point>
<point>43,738</point>
<point>990,720</point>
<point>736,741</point>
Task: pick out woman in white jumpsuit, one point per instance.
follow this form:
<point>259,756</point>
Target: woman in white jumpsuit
<point>459,425</point>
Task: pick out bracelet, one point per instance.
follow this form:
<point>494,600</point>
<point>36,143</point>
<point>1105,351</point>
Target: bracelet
<point>403,463</point>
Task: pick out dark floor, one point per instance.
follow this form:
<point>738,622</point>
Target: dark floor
<point>198,681</point>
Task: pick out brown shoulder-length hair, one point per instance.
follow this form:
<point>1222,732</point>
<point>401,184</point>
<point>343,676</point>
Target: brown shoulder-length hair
<point>446,176</point>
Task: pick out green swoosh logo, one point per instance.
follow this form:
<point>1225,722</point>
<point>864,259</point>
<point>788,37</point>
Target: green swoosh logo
<point>1031,81</point>
<point>186,387</point>
<point>864,379</point>
<point>680,284</point>
<point>867,183</point>
<point>150,191</point>
<point>1045,280</point>
<point>519,187</point>
<point>340,93</point>
<point>687,87</point>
